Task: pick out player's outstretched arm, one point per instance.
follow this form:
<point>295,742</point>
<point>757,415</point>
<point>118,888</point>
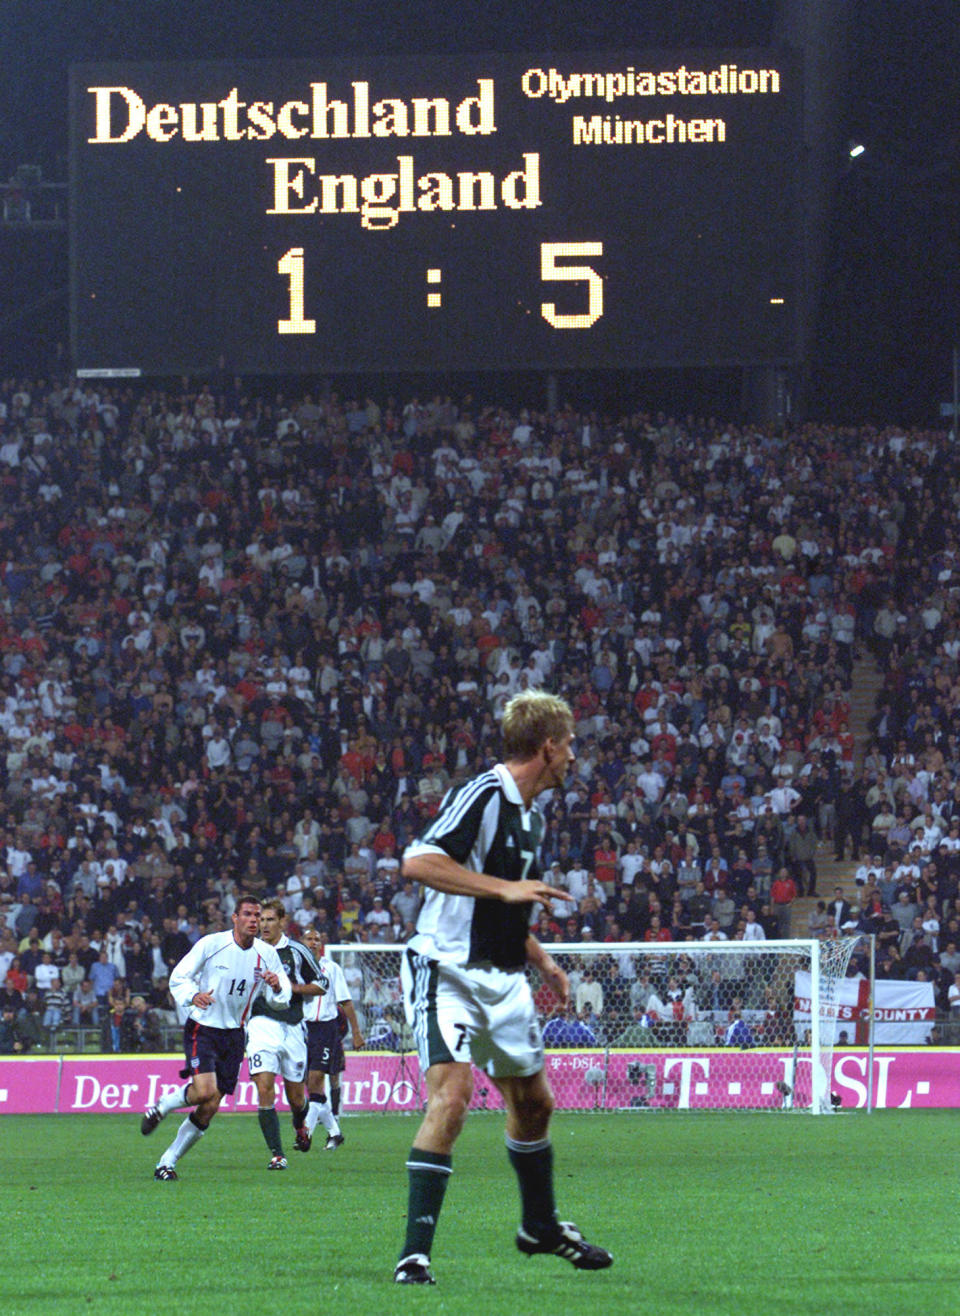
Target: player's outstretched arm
<point>439,871</point>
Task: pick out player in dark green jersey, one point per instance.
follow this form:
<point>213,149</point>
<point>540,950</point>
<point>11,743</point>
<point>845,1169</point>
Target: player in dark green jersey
<point>275,1037</point>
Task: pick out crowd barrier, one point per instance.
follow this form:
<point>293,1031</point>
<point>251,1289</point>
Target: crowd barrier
<point>583,1079</point>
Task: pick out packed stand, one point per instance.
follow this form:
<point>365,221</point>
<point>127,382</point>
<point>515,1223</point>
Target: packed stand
<point>248,643</point>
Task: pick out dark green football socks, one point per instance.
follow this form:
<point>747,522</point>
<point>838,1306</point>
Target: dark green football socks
<point>533,1162</point>
<point>270,1128</point>
<point>428,1173</point>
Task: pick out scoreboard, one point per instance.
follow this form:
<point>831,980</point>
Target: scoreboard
<point>496,211</point>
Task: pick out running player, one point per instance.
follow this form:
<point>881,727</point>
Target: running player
<point>325,1028</point>
<point>217,981</point>
<point>275,1040</point>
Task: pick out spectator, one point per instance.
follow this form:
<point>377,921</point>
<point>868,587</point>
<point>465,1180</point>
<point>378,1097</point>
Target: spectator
<point>565,1029</point>
<point>15,978</point>
<point>9,1043</point>
<point>783,893</point>
<point>45,973</point>
<point>118,1002</point>
<point>839,908</point>
<point>140,1027</point>
<point>161,1003</point>
<point>72,974</point>
<point>86,1006</point>
<point>918,959</point>
<point>103,974</point>
<point>738,1032</point>
<point>752,929</point>
<point>638,1033</point>
<point>588,992</point>
<point>819,921</point>
<point>378,921</point>
<point>904,909</point>
<point>802,851</point>
<point>406,903</point>
<point>19,1032</point>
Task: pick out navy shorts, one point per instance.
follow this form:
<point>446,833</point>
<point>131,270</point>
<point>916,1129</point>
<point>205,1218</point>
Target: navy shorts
<point>325,1047</point>
<point>216,1051</point>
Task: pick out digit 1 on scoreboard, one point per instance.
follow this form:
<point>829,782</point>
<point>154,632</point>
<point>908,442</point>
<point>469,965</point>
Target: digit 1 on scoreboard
<point>291,264</point>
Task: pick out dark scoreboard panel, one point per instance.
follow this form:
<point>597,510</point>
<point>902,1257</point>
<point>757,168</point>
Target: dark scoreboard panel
<point>475,212</point>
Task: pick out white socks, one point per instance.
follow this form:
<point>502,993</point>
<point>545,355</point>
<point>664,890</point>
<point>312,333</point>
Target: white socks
<point>187,1135</point>
<point>322,1112</point>
<point>173,1100</point>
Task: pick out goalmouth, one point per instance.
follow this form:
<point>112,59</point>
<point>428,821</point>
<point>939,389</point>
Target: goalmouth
<point>708,1025</point>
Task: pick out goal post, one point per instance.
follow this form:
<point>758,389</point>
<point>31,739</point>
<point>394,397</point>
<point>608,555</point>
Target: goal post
<point>694,1025</point>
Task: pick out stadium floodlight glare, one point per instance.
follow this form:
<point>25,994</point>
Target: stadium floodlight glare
<point>855,149</point>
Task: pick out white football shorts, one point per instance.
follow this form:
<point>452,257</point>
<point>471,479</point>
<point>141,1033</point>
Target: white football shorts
<point>276,1048</point>
<point>481,1014</point>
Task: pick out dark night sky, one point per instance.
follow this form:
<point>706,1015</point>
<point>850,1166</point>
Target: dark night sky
<point>889,315</point>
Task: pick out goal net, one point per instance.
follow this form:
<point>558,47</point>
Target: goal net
<point>665,1026</point>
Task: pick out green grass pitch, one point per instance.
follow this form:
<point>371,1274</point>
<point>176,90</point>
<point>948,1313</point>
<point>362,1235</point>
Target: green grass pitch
<point>705,1213</point>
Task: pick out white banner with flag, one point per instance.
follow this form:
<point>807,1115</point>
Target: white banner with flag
<point>905,1011</point>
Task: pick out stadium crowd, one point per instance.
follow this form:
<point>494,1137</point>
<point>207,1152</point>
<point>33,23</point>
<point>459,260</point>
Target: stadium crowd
<point>247,642</point>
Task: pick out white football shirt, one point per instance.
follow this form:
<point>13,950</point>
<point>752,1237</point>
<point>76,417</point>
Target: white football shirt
<point>233,976</point>
<point>317,1009</point>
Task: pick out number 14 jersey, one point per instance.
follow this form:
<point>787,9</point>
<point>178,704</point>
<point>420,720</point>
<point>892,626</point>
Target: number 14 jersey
<point>234,976</point>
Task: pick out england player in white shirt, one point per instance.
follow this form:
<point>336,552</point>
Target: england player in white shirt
<point>325,1047</point>
<point>216,982</point>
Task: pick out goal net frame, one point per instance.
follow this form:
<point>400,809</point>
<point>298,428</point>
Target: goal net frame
<point>724,1027</point>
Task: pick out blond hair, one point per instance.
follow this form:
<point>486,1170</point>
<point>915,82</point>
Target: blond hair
<point>530,718</point>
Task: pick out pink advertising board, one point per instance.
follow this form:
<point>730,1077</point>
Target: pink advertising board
<point>29,1086</point>
<point>377,1081</point>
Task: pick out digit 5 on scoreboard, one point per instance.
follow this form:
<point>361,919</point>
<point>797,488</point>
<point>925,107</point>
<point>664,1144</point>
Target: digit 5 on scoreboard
<point>553,252</point>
